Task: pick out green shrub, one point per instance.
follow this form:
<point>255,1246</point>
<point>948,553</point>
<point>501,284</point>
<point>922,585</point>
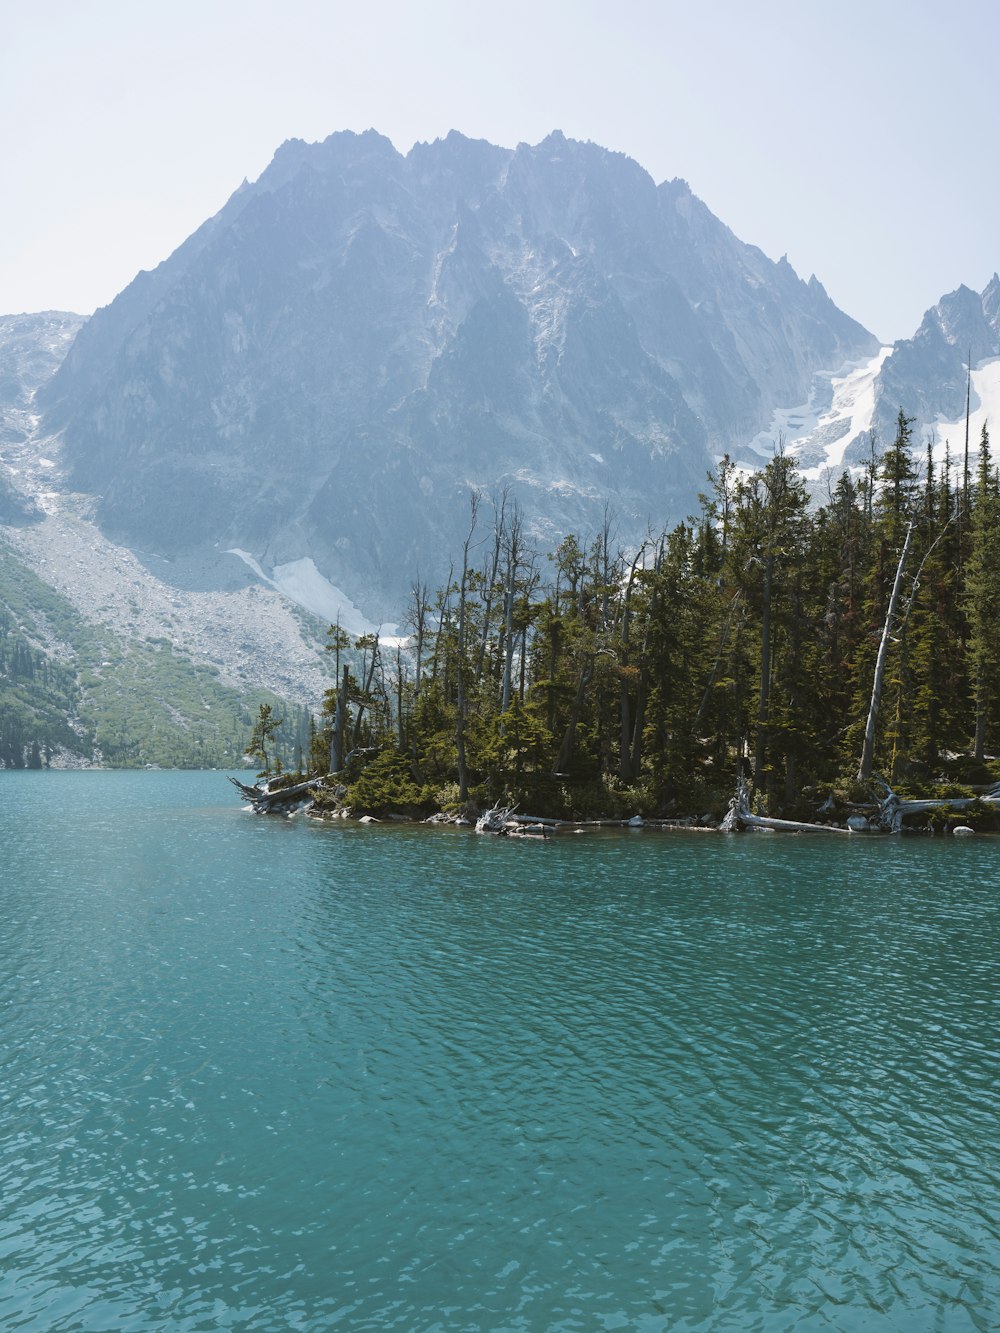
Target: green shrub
<point>385,784</point>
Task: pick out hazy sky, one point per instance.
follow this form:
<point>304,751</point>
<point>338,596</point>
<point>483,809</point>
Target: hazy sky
<point>859,138</point>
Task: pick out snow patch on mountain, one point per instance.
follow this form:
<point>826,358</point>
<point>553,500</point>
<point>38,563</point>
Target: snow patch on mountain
<point>250,635</point>
<point>829,433</point>
<point>819,432</point>
<point>984,409</point>
<point>302,583</point>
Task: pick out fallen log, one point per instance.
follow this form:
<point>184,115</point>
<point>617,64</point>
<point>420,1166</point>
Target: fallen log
<point>495,820</point>
<point>739,816</point>
<point>266,801</point>
<point>894,809</point>
<point>786,825</point>
<point>503,820</point>
<point>886,816</point>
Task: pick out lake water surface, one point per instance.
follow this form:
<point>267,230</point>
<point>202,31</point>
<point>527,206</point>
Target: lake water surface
<point>272,1075</point>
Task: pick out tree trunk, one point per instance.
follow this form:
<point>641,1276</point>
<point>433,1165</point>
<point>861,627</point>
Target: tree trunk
<point>419,629</point>
<point>366,688</point>
<point>979,740</point>
<point>764,696</point>
<point>868,749</point>
<point>463,772</point>
<point>339,725</point>
<point>569,736</point>
<point>399,697</point>
<point>624,699</point>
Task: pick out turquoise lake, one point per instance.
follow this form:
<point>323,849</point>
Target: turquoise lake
<point>276,1075</point>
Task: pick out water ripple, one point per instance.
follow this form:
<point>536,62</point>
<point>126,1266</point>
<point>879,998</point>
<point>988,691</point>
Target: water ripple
<point>279,1076</point>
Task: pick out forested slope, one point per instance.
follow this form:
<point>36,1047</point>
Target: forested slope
<point>73,693</point>
<point>743,641</point>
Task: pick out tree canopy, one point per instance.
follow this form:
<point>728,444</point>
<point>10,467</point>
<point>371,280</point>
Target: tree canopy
<point>748,642</point>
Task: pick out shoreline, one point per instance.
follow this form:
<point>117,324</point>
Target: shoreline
<point>539,830</point>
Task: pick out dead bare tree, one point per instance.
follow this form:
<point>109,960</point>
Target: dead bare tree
<point>868,748</point>
<point>460,720</point>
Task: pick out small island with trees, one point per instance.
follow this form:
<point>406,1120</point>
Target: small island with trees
<point>767,663</point>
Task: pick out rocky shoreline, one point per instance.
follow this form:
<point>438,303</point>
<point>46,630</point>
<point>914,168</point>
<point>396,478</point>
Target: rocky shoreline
<point>316,799</point>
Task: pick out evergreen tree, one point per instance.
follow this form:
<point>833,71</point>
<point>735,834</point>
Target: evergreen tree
<point>982,598</point>
<point>761,636</point>
<point>261,743</point>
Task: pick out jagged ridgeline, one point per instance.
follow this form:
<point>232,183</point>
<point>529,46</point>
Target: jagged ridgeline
<point>73,692</point>
<point>325,367</point>
<point>302,397</point>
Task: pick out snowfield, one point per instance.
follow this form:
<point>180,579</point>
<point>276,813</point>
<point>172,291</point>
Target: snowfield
<point>819,431</point>
<point>984,410</point>
<point>840,409</point>
<point>302,583</point>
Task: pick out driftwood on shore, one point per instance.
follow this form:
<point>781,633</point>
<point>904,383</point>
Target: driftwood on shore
<point>740,816</point>
<point>883,816</point>
<point>279,800</point>
<point>893,809</point>
<point>502,821</point>
<point>495,820</point>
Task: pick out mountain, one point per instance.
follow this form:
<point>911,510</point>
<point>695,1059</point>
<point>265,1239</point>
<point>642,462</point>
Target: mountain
<point>101,661</point>
<point>928,376</point>
<point>31,349</point>
<point>319,374</point>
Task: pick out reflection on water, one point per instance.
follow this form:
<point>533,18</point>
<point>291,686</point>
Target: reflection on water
<point>269,1075</point>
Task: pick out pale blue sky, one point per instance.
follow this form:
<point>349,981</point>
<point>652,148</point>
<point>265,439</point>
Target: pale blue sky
<point>858,138</point>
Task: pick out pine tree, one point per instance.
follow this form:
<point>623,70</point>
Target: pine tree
<point>261,741</point>
<point>982,597</point>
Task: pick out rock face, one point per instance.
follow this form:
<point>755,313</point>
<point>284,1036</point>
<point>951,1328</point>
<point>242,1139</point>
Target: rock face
<point>927,374</point>
<point>31,347</point>
<point>326,367</point>
<point>244,631</point>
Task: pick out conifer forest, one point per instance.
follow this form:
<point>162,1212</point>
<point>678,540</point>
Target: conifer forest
<point>801,647</point>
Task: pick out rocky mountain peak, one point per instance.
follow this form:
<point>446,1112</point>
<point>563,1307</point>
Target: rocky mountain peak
<point>991,302</point>
<point>324,368</point>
